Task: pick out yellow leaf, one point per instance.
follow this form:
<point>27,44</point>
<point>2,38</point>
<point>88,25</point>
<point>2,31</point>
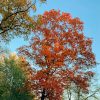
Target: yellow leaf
<point>34,7</point>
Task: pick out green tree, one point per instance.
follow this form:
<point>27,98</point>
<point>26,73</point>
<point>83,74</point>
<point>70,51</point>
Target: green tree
<point>12,80</point>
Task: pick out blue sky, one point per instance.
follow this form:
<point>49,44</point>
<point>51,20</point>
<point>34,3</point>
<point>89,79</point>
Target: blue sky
<point>87,10</point>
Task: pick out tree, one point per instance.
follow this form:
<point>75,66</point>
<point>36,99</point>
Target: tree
<point>93,93</point>
<point>13,77</point>
<point>63,54</point>
<point>15,19</point>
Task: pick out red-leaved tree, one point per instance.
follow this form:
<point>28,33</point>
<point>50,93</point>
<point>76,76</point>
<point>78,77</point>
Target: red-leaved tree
<point>63,55</point>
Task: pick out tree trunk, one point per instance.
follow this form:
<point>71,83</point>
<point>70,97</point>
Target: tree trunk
<point>78,94</point>
<point>43,95</point>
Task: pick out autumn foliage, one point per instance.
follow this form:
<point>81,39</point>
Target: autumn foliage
<point>15,18</point>
<point>63,55</point>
